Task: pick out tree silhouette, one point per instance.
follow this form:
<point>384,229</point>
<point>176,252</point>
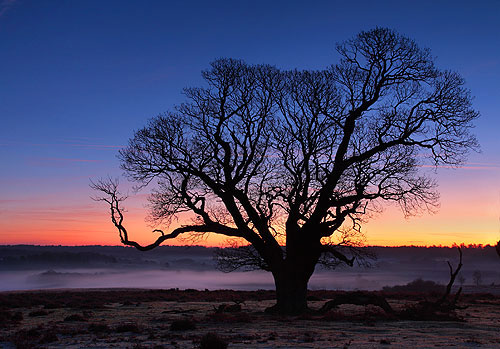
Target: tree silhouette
<point>477,277</point>
<point>292,161</point>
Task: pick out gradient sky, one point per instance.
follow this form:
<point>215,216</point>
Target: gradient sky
<point>78,77</point>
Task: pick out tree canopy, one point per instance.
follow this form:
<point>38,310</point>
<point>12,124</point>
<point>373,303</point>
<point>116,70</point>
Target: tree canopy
<point>298,158</point>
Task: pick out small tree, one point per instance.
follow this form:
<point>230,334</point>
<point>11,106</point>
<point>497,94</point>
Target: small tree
<point>291,161</point>
<point>477,277</point>
<point>461,279</point>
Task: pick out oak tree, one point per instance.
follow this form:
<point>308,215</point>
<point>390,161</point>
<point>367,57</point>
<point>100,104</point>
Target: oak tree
<point>292,161</point>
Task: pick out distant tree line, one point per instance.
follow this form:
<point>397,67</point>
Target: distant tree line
<point>59,258</point>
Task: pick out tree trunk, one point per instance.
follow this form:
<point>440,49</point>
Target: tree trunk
<point>291,290</point>
<point>292,274</point>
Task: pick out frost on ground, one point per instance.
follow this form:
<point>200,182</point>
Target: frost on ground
<point>182,319</point>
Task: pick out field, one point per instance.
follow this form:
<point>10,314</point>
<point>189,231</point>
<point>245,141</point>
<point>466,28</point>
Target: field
<point>183,318</point>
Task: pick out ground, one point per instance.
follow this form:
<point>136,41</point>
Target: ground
<point>151,319</point>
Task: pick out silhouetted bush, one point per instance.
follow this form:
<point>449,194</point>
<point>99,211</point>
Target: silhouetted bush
<point>228,308</point>
<point>7,317</point>
<point>127,327</point>
<point>418,285</point>
<point>26,338</point>
<point>182,325</point>
<point>99,328</point>
<point>212,341</point>
<point>49,337</point>
<point>424,311</point>
<point>75,317</point>
<point>309,337</point>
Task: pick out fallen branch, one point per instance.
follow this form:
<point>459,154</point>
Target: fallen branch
<point>453,275</point>
<point>443,308</point>
<point>358,298</point>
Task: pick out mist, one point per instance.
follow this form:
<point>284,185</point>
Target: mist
<point>36,267</point>
<point>186,279</point>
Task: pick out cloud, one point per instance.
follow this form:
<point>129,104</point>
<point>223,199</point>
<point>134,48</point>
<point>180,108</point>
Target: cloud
<point>87,142</point>
<point>61,144</point>
<point>59,162</point>
<point>94,146</point>
<point>9,201</point>
<point>68,160</point>
<point>469,166</point>
<point>5,5</point>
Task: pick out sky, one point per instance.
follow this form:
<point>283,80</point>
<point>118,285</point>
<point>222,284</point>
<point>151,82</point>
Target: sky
<point>78,77</point>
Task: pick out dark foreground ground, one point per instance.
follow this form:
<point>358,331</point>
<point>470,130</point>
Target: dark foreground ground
<point>182,319</point>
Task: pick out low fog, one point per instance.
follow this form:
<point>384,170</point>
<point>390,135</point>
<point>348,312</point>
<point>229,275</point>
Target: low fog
<point>60,267</point>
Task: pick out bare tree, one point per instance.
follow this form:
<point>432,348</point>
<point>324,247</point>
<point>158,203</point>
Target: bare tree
<point>461,280</point>
<point>477,277</point>
<point>292,161</point>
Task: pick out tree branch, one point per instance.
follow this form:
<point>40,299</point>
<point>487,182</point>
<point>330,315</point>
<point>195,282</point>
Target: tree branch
<point>112,196</point>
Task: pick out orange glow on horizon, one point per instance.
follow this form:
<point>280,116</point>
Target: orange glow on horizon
<point>388,229</point>
<point>468,214</point>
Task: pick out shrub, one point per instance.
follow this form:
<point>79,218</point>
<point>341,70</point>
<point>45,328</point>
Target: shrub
<point>182,325</point>
<point>127,327</point>
<point>38,313</point>
<point>212,341</point>
<point>49,337</point>
<point>26,338</point>
<point>417,285</point>
<point>96,328</point>
<point>75,317</point>
<point>7,317</point>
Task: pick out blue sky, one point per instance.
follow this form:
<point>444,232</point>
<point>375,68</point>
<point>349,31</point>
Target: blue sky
<point>78,77</point>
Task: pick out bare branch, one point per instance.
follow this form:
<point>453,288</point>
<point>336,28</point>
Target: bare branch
<point>113,197</point>
<point>453,275</point>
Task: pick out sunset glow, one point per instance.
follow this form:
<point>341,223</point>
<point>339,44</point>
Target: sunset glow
<point>469,215</point>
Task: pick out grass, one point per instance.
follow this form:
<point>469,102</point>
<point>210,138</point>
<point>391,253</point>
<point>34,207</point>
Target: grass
<point>183,323</point>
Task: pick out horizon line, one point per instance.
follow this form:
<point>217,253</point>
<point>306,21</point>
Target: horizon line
<point>187,246</point>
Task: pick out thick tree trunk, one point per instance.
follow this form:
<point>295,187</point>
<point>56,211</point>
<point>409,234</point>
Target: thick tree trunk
<point>291,275</point>
<point>291,288</point>
<point>291,294</point>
